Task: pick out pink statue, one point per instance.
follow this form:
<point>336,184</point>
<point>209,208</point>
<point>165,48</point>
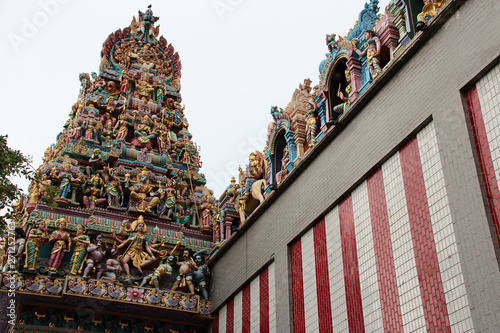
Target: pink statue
<point>60,238</point>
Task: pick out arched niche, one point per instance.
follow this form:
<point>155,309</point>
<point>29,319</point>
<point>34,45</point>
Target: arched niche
<point>336,82</point>
<point>279,167</point>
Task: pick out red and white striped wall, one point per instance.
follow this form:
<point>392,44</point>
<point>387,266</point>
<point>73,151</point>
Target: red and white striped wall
<point>484,110</point>
<point>253,309</point>
<point>385,259</point>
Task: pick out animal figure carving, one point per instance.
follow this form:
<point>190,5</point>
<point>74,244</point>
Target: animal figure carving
<point>248,194</point>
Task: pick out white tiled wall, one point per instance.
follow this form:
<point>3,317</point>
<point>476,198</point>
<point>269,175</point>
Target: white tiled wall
<point>404,259</point>
<point>444,236</point>
<point>309,276</point>
<point>336,271</point>
<point>488,90</point>
<point>272,299</point>
<point>366,260</point>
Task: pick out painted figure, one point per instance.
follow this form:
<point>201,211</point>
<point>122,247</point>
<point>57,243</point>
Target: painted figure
<point>66,178</point>
<point>164,269</point>
<point>137,247</point>
<point>113,266</point>
<point>201,275</point>
<point>14,258</point>
<point>139,193</point>
<point>60,238</point>
<point>95,257</point>
<point>372,52</point>
<point>186,269</point>
<point>81,242</point>
<point>36,238</point>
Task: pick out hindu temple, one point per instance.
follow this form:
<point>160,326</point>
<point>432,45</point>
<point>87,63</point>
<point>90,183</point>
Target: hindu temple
<point>372,207</point>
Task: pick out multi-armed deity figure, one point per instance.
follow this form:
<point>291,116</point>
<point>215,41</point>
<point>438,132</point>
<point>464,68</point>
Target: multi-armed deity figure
<point>137,246</point>
<point>140,191</point>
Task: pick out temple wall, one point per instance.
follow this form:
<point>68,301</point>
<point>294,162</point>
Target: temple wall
<point>408,139</point>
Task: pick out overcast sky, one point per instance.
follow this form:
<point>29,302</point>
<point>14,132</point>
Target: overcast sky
<point>239,57</point>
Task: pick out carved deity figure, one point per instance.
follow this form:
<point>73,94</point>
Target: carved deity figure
<point>95,257</point>
<point>201,275</point>
<point>15,251</point>
<point>113,266</point>
<point>186,269</point>
<point>36,238</point>
<point>139,193</point>
<point>372,52</point>
<point>255,171</point>
<point>66,178</point>
<point>343,107</point>
<point>81,242</point>
<point>60,238</point>
<point>137,247</point>
<point>143,134</point>
<point>206,213</point>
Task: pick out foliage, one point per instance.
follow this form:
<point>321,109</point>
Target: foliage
<point>50,196</point>
<point>12,163</point>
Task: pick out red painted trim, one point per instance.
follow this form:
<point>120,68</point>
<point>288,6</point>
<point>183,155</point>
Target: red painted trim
<point>230,316</point>
<point>386,272</point>
<point>215,323</point>
<point>322,278</point>
<point>264,300</point>
<point>299,321</point>
<point>351,270</point>
<point>484,154</point>
<point>245,311</point>
<point>429,277</point>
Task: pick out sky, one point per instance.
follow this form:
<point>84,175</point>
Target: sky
<point>239,58</point>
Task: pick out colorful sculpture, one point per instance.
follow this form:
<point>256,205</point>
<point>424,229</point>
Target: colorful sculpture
<point>36,238</point>
<point>372,52</point>
<point>60,238</point>
<point>81,242</point>
<point>137,247</point>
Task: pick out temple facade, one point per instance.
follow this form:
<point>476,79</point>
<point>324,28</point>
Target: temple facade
<point>379,209</point>
<point>115,231</point>
<point>372,207</point>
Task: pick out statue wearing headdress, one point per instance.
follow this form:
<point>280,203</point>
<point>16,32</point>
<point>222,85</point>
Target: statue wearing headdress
<point>138,249</point>
<point>143,134</point>
<point>79,256</point>
<point>140,191</point>
<point>66,177</point>
<point>206,213</point>
<point>36,238</point>
<point>60,238</point>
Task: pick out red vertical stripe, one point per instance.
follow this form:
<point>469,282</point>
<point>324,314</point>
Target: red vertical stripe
<point>264,301</point>
<point>215,323</point>
<point>322,279</point>
<point>429,277</point>
<point>351,269</point>
<point>245,311</point>
<point>386,273</point>
<point>299,323</point>
<point>484,154</point>
<point>230,316</point>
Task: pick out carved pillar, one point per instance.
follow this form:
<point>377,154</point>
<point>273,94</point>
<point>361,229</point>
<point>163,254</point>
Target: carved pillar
<point>388,33</point>
<point>228,223</point>
<point>402,21</point>
<point>299,125</point>
<point>354,66</point>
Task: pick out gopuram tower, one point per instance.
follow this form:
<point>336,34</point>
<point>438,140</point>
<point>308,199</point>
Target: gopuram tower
<point>118,223</point>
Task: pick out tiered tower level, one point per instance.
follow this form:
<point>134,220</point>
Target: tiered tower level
<point>118,201</point>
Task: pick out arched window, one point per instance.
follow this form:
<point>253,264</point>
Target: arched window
<point>336,83</point>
